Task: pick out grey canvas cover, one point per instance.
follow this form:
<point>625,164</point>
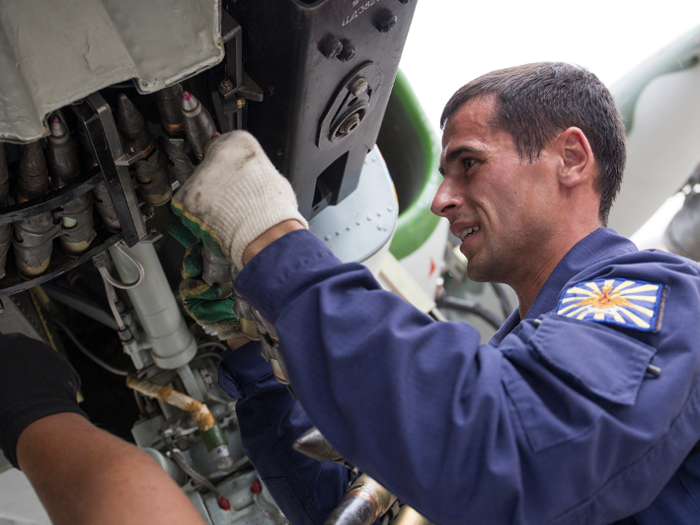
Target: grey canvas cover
<point>55,52</point>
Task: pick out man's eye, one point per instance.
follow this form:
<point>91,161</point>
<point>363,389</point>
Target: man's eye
<point>468,163</point>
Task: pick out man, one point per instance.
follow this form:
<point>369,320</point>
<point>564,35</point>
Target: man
<point>583,408</point>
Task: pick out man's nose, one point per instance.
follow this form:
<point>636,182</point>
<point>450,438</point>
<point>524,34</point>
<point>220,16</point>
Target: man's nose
<point>446,199</point>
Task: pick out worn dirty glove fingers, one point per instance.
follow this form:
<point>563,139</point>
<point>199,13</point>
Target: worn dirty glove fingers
<point>234,196</point>
<point>182,234</point>
<point>35,382</point>
<point>206,306</point>
<point>193,262</point>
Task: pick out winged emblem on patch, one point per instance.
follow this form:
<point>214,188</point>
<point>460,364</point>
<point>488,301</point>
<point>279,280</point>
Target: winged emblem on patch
<point>632,304</point>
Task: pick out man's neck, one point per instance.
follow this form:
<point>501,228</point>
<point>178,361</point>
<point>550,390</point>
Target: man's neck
<point>527,287</point>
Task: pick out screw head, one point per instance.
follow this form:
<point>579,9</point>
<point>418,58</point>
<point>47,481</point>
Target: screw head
<point>387,22</point>
<point>331,47</point>
<point>359,87</point>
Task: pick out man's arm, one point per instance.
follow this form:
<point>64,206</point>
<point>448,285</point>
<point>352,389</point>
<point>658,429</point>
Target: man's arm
<point>84,475</point>
<point>463,431</point>
<point>270,421</point>
<point>81,474</point>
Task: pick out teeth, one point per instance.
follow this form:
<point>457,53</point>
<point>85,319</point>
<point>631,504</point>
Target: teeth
<point>466,233</point>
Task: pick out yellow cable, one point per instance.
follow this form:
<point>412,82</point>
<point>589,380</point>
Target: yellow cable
<point>39,295</point>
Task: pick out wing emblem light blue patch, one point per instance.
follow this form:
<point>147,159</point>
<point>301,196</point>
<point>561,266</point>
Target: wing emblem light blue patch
<point>632,304</point>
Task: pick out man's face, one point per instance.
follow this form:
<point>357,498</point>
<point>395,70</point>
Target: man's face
<point>501,207</point>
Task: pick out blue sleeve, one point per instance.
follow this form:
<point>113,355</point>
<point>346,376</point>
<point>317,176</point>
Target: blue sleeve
<point>270,420</point>
<point>558,424</point>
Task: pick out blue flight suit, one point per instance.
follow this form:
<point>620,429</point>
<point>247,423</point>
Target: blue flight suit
<point>559,419</point>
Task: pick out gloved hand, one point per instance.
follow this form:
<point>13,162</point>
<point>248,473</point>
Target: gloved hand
<point>234,196</point>
<point>35,382</point>
<point>202,301</point>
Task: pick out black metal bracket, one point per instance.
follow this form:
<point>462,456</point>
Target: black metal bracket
<point>52,201</point>
<point>237,87</point>
<point>60,263</point>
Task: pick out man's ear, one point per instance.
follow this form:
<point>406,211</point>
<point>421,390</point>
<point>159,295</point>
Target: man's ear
<point>577,161</point>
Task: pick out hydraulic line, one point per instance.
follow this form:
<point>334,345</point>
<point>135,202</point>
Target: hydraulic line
<point>118,284</point>
<point>212,435</point>
<point>112,301</point>
<point>89,354</point>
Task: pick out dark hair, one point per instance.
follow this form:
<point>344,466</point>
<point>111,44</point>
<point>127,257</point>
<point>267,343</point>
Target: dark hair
<point>538,101</point>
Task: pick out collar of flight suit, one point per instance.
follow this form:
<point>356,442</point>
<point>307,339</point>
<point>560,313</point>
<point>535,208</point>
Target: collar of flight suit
<point>603,243</point>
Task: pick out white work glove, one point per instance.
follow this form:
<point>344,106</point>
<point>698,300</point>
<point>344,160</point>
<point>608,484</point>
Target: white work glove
<point>234,196</point>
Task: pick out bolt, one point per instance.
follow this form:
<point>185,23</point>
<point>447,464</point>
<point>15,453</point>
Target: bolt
<point>240,102</point>
<point>279,152</point>
<point>359,87</point>
<point>226,86</point>
<point>350,124</point>
<point>331,47</point>
<point>348,53</point>
<point>387,22</point>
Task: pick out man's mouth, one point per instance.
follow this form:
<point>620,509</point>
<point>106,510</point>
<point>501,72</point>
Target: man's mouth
<point>465,234</point>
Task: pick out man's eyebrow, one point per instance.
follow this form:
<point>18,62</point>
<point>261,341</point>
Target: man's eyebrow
<point>458,152</point>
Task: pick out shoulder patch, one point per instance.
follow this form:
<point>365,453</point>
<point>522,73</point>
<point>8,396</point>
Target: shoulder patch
<point>632,304</point>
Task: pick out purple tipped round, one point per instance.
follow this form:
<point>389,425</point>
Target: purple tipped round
<point>199,126</point>
<point>59,132</point>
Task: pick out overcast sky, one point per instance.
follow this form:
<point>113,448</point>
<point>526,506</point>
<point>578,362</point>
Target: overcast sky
<point>454,41</point>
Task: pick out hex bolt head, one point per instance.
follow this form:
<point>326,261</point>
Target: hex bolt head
<point>387,22</point>
<point>331,47</point>
<point>226,86</point>
<point>359,87</point>
<point>348,53</point>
